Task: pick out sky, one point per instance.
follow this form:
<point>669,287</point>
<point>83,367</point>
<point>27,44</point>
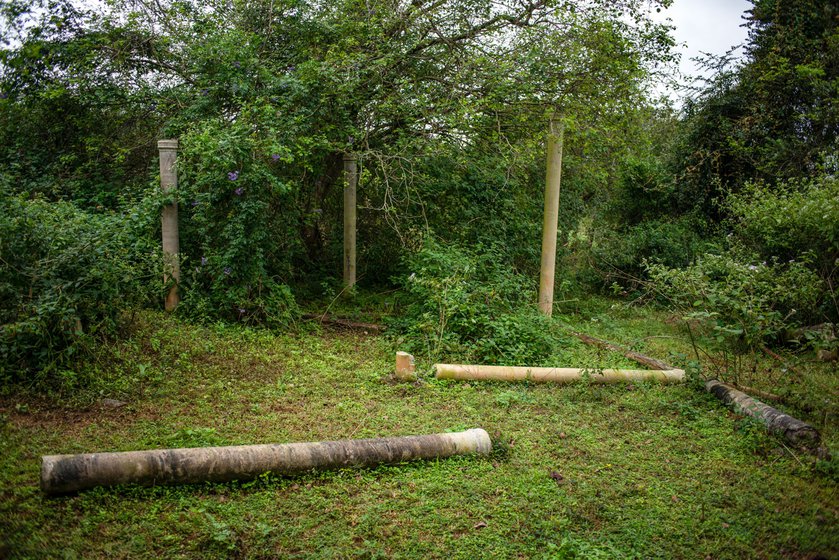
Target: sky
<point>710,26</point>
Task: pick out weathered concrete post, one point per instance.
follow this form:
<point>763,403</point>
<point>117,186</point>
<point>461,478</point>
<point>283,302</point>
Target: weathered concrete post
<point>350,184</point>
<point>406,369</point>
<point>169,218</point>
<point>549,225</point>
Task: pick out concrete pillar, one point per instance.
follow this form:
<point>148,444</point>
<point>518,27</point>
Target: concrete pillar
<point>350,202</point>
<point>406,369</point>
<point>549,225</point>
<point>169,218</point>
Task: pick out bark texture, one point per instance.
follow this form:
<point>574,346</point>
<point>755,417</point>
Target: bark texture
<point>350,217</point>
<point>554,375</point>
<point>62,474</point>
<point>793,430</point>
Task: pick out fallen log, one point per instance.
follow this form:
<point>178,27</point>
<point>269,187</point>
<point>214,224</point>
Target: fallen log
<point>554,375</point>
<point>62,474</point>
<point>631,354</point>
<point>336,321</point>
<point>795,431</point>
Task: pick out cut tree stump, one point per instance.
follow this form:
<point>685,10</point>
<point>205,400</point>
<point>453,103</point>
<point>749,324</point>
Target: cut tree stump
<point>800,434</point>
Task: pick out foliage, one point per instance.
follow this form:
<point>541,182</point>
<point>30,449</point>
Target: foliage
<point>69,277</point>
<point>78,113</point>
<point>771,279</point>
<point>772,118</point>
<point>618,258</point>
<point>465,304</point>
<point>228,192</point>
<point>797,220</point>
<point>743,304</point>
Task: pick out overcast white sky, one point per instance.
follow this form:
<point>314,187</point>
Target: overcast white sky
<point>710,26</point>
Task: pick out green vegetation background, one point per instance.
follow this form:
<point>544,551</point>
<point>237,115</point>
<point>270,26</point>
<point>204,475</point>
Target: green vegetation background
<point>718,224</point>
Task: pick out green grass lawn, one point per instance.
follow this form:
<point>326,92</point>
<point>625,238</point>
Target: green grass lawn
<point>585,471</point>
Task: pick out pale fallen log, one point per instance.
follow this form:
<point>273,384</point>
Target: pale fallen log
<point>70,473</point>
<point>631,354</point>
<point>554,375</point>
<point>793,430</point>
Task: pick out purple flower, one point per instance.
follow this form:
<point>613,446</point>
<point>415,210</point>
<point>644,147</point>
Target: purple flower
<point>275,157</point>
<point>227,271</point>
<point>203,261</point>
<point>195,203</point>
<point>205,92</point>
<point>233,175</point>
<point>239,191</point>
<point>237,64</point>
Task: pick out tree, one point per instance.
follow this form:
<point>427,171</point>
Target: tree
<point>774,117</point>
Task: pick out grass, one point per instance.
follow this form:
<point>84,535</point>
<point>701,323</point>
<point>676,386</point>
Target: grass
<point>640,471</point>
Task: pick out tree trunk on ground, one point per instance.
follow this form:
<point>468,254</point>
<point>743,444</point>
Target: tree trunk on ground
<point>337,321</point>
<point>70,473</point>
<point>631,354</point>
<point>793,430</point>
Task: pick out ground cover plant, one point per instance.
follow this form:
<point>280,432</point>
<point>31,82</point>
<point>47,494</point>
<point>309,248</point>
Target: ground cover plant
<point>705,236</point>
<point>581,471</point>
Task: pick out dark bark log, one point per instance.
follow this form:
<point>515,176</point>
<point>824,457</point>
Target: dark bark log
<point>795,431</point>
<point>70,473</point>
<point>631,354</point>
<point>326,320</point>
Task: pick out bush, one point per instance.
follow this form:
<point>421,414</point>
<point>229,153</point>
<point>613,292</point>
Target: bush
<point>794,222</point>
<point>68,277</point>
<point>468,305</point>
<point>605,255</point>
<point>742,304</point>
<point>233,225</point>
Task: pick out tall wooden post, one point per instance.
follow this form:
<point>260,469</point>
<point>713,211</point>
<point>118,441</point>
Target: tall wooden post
<point>169,181</point>
<point>549,225</point>
<point>350,184</point>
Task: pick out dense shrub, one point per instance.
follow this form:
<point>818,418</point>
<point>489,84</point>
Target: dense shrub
<point>798,220</point>
<point>235,235</point>
<point>742,303</point>
<point>468,305</point>
<point>67,278</point>
<point>605,255</point>
<point>779,271</point>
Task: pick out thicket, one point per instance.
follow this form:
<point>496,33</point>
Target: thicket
<point>445,105</point>
<point>68,278</point>
<point>757,156</point>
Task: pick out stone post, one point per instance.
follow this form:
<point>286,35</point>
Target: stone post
<point>350,201</point>
<point>549,225</point>
<point>169,218</point>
